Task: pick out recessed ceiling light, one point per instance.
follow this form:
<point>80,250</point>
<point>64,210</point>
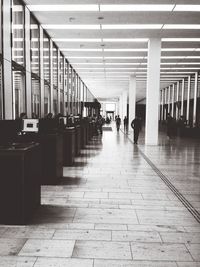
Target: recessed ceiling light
<point>182,26</point>
<point>125,40</point>
<point>66,40</point>
<point>180,39</point>
<point>187,8</point>
<point>126,50</point>
<point>142,7</point>
<point>83,49</point>
<point>100,18</point>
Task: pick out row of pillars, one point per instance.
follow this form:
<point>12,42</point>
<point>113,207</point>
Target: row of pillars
<point>175,94</point>
<point>152,94</point>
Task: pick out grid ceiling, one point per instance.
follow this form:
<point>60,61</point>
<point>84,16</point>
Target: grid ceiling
<point>105,57</point>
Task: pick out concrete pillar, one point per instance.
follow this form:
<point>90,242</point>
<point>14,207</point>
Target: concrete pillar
<point>188,99</point>
<point>132,99</point>
<point>124,105</point>
<point>177,100</point>
<point>195,99</point>
<point>182,96</point>
<point>173,99</point>
<point>153,90</point>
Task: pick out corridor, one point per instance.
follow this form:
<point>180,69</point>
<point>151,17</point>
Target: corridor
<point>114,208</point>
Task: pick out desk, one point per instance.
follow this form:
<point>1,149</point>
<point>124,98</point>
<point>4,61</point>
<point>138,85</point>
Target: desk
<point>20,168</point>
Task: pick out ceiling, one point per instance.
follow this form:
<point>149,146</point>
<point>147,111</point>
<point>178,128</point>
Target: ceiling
<point>105,52</point>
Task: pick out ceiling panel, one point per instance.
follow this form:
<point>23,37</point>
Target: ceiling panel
<point>106,72</point>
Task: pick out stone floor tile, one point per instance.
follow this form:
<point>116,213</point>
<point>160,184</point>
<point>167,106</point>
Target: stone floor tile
<point>160,252</point>
<point>157,228</point>
<point>181,238</point>
<point>105,216</point>
<point>11,247</point>
<point>102,250</point>
<point>83,235</point>
<point>125,196</point>
<point>194,250</point>
<point>188,264</point>
<point>47,248</point>
<point>29,232</point>
<point>61,262</point>
<point>128,263</point>
<point>181,218</point>
<point>119,227</point>
<point>97,195</point>
<point>136,236</point>
<point>14,261</point>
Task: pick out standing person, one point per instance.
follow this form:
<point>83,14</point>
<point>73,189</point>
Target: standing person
<point>125,124</point>
<point>136,125</point>
<point>170,125</point>
<point>118,122</point>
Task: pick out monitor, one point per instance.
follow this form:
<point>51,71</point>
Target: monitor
<point>30,125</point>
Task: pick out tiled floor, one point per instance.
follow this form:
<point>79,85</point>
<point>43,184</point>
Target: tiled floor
<point>112,210</point>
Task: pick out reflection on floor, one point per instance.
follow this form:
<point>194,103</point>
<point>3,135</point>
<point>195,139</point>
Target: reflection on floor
<point>112,210</point>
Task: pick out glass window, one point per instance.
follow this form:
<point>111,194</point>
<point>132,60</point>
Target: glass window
<point>67,87</point>
<point>61,66</point>
<point>18,32</point>
<point>1,92</point>
<point>35,83</point>
<point>35,47</point>
<point>1,26</point>
<point>46,57</point>
<point>46,99</point>
<point>55,79</point>
<point>46,69</point>
<point>19,92</point>
<point>1,78</point>
<point>70,90</point>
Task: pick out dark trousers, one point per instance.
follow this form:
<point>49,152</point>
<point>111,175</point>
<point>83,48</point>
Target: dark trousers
<point>136,135</point>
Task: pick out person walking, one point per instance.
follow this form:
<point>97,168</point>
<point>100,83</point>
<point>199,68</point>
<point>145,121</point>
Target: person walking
<point>118,122</point>
<point>125,124</point>
<point>136,126</point>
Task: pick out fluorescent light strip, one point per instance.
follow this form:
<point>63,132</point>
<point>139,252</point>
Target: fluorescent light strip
<point>105,63</point>
<point>66,40</point>
<point>130,26</point>
<point>83,49</point>
<point>180,39</point>
<point>187,8</point>
<point>65,8</point>
<point>132,40</point>
<point>182,26</point>
<point>125,49</point>
<point>70,27</point>
<point>128,8</point>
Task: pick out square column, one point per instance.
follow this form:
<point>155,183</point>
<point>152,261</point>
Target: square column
<point>124,107</point>
<point>153,90</point>
<point>132,98</point>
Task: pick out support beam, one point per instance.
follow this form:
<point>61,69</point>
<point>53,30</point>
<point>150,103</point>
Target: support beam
<point>153,88</point>
<point>173,99</point>
<point>51,76</point>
